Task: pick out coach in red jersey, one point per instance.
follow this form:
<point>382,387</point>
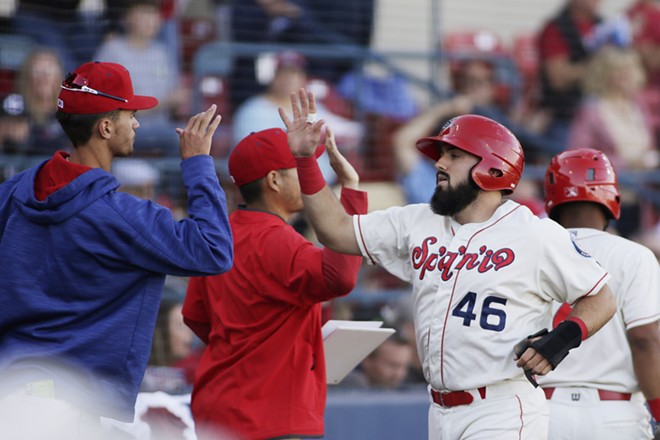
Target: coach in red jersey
<point>262,374</point>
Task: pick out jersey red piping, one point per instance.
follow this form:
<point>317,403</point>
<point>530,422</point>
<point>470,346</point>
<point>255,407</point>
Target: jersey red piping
<point>362,240</point>
<point>522,420</point>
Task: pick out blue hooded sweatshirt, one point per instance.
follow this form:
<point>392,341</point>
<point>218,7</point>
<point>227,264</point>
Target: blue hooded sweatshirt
<point>81,277</point>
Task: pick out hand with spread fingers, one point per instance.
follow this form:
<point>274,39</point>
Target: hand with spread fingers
<point>346,174</point>
<point>304,131</point>
<point>196,138</point>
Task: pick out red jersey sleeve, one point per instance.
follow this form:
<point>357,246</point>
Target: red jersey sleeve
<point>195,314</point>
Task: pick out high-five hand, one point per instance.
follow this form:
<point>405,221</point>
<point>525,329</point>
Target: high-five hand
<point>346,174</point>
<point>304,131</point>
<point>196,138</point>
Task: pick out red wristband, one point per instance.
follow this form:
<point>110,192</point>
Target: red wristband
<point>583,326</point>
<point>309,175</point>
<point>654,407</point>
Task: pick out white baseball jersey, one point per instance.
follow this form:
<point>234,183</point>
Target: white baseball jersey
<point>604,361</point>
<point>478,288</point>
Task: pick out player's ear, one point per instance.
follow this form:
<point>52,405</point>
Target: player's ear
<point>273,181</point>
<point>103,128</point>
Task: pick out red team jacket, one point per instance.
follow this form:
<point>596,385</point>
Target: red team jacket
<point>262,374</point>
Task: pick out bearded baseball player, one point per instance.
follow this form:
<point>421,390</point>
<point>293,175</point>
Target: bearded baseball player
<point>599,391</point>
<point>484,273</point>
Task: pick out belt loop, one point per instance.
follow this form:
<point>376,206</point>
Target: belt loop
<point>482,392</point>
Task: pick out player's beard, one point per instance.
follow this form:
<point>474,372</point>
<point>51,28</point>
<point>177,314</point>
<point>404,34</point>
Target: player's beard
<point>453,200</point>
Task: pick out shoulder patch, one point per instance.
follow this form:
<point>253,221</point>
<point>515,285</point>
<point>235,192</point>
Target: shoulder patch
<point>575,245</point>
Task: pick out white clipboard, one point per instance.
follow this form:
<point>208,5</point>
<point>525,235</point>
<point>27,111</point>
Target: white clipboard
<point>346,343</point>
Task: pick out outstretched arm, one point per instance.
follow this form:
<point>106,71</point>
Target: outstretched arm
<point>588,316</point>
<point>333,226</point>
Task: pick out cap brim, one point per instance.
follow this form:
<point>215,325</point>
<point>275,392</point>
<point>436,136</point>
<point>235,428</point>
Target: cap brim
<point>141,103</point>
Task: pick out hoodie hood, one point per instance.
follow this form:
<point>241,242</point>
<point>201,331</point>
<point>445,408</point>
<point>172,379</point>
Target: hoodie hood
<point>65,202</point>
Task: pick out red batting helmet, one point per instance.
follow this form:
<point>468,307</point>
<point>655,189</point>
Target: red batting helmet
<point>497,147</point>
<point>582,175</point>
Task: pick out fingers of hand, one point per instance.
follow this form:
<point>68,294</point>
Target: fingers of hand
<point>525,358</point>
<point>312,102</point>
<point>534,361</point>
<point>214,125</point>
<point>330,139</point>
<point>295,108</point>
<point>284,117</point>
<point>194,122</point>
<point>208,115</point>
<point>304,103</point>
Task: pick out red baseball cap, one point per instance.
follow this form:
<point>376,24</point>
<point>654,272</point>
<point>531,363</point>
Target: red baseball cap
<point>261,152</point>
<point>98,87</point>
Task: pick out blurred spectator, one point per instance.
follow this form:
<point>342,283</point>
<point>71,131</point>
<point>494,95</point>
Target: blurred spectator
<point>61,24</point>
<point>563,57</point>
<point>153,73</point>
<point>299,22</point>
<point>173,345</point>
<point>39,84</point>
<point>616,119</point>
<point>14,125</point>
<point>476,91</point>
<point>288,74</point>
<point>137,177</point>
<point>644,18</point>
<point>400,315</point>
<point>386,367</point>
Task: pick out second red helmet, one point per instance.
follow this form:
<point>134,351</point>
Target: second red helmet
<point>582,175</point>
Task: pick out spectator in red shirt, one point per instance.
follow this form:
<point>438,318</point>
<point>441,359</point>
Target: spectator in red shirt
<point>563,56</point>
<point>262,374</point>
<point>644,16</point>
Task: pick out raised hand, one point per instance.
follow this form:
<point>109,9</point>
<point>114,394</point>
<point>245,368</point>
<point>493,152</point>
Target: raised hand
<point>304,131</point>
<point>196,138</point>
<point>346,174</point>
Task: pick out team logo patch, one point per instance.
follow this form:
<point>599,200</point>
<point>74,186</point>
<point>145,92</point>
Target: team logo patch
<point>570,191</point>
<point>577,248</point>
